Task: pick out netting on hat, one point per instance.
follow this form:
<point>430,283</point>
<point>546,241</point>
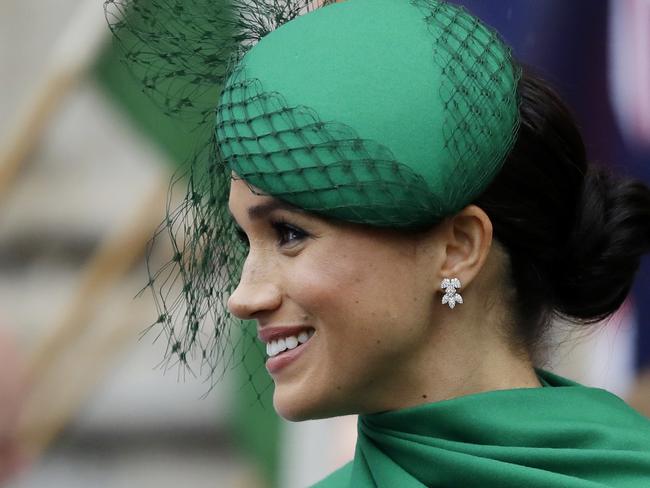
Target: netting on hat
<point>478,91</point>
<point>322,167</point>
<point>182,52</point>
<point>325,167</point>
<point>191,290</point>
<point>185,51</point>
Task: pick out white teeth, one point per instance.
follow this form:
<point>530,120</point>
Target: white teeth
<point>291,342</point>
<point>274,348</point>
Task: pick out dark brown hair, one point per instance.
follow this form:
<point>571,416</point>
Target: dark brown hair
<point>574,232</point>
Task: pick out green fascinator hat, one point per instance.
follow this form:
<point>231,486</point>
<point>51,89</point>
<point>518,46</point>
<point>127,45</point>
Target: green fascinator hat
<point>392,113</point>
<point>383,112</point>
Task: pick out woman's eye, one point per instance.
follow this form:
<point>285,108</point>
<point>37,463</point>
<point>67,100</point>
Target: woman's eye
<point>288,234</point>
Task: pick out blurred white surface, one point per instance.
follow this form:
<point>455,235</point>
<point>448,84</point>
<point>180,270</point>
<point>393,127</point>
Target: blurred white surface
<point>85,177</point>
<point>603,356</point>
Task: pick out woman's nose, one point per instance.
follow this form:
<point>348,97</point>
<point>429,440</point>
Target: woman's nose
<point>254,294</point>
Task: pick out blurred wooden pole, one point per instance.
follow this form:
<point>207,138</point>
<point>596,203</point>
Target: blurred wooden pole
<point>51,405</point>
<point>71,57</point>
<point>115,256</point>
<point>92,351</point>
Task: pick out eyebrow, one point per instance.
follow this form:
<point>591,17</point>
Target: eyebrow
<point>257,212</point>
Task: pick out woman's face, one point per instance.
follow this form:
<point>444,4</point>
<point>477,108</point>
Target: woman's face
<point>356,304</point>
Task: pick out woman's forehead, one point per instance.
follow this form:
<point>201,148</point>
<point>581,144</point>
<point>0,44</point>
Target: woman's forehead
<point>242,191</point>
<point>248,202</point>
<point>254,203</point>
<point>242,196</point>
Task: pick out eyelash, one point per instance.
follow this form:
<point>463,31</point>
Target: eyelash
<point>282,228</point>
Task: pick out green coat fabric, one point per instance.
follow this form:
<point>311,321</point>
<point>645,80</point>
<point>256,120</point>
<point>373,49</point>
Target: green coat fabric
<point>563,435</point>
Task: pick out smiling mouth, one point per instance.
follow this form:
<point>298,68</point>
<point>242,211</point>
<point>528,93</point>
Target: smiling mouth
<point>277,347</point>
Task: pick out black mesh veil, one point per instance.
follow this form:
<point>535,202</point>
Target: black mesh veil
<point>185,52</point>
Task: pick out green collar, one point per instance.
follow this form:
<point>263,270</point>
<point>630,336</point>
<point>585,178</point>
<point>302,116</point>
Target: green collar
<point>562,435</point>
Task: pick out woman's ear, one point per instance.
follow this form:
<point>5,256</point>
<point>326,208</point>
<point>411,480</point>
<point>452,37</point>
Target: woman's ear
<point>467,238</point>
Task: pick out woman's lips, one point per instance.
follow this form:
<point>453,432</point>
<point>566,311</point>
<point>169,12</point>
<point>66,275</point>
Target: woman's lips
<point>268,334</point>
<point>277,363</point>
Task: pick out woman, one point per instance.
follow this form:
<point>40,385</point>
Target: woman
<point>415,211</point>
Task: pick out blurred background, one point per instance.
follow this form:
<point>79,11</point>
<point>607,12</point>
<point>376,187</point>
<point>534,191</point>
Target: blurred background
<point>84,169</point>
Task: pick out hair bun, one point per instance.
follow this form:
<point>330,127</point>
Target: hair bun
<point>596,270</point>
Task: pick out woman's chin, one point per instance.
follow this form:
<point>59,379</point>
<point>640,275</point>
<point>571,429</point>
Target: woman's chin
<point>292,409</point>
<point>297,406</point>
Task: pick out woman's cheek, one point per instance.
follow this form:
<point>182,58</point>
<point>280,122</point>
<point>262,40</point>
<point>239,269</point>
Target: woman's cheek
<point>322,280</point>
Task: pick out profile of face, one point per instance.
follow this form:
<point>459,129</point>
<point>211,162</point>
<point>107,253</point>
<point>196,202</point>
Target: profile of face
<point>353,308</point>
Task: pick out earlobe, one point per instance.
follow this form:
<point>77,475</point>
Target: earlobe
<point>468,241</point>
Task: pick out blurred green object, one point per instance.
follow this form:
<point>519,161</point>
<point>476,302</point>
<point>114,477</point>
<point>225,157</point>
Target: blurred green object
<point>172,135</point>
<point>255,424</point>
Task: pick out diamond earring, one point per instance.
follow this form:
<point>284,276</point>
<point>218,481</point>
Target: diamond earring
<point>451,297</point>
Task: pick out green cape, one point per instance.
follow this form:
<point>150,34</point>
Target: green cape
<point>564,435</point>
